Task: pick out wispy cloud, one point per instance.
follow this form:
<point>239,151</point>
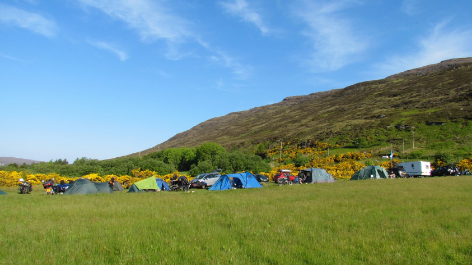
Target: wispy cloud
<point>242,72</point>
<point>150,18</point>
<point>240,8</point>
<point>110,47</point>
<point>34,22</point>
<point>334,42</point>
<point>9,57</point>
<point>442,43</point>
<point>153,20</point>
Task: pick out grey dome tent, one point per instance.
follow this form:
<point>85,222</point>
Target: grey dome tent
<point>103,187</point>
<point>3,193</point>
<point>317,175</point>
<point>117,186</point>
<point>370,172</point>
<point>82,186</point>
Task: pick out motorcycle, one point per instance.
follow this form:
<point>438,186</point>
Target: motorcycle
<point>48,186</point>
<point>25,188</point>
<point>284,181</point>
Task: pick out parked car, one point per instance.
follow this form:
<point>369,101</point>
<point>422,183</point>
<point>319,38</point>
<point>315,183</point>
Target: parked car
<point>399,172</point>
<point>283,173</point>
<point>445,171</point>
<point>205,180</point>
<point>261,178</point>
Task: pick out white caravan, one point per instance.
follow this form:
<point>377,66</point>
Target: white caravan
<point>417,168</point>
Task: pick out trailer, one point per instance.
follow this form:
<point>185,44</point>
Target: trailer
<point>417,168</point>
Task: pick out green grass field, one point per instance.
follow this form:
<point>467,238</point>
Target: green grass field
<point>391,221</point>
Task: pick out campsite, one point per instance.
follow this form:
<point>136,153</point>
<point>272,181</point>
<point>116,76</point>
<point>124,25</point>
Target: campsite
<point>389,221</point>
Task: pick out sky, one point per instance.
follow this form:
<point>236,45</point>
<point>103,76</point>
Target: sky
<point>106,78</point>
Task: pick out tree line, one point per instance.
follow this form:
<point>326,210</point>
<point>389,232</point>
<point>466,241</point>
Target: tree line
<point>201,159</point>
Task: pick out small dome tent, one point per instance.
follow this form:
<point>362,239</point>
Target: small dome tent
<point>145,184</point>
<point>223,183</point>
<point>317,175</point>
<point>162,184</point>
<point>3,193</point>
<point>103,187</point>
<point>370,172</point>
<point>117,186</point>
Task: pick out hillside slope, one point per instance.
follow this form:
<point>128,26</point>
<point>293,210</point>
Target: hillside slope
<point>18,161</point>
<point>434,93</point>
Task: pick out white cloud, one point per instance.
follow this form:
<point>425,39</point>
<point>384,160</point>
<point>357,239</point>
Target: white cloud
<point>240,8</point>
<point>441,44</point>
<point>334,42</point>
<point>34,22</point>
<point>110,47</point>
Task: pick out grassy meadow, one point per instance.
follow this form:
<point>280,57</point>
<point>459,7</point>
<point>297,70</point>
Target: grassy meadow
<point>390,221</point>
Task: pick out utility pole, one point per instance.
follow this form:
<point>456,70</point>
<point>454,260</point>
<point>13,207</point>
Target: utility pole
<point>403,146</point>
<point>281,141</point>
<point>413,139</point>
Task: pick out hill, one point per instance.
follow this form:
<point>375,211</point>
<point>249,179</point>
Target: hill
<point>381,111</point>
<point>19,161</point>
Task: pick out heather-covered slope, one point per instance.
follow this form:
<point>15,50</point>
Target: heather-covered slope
<point>430,94</point>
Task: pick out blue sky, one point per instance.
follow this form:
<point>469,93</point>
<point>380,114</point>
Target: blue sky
<point>106,78</point>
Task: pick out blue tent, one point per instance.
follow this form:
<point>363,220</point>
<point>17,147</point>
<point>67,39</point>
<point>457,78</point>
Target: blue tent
<point>245,180</point>
<point>2,192</point>
<point>223,183</point>
<point>162,185</point>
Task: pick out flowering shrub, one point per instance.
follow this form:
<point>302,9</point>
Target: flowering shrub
<point>11,178</point>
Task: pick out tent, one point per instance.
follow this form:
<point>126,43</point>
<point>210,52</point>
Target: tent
<point>117,186</point>
<point>370,172</point>
<point>133,188</point>
<point>103,187</point>
<point>145,184</point>
<point>3,193</point>
<point>245,180</point>
<point>317,175</point>
<point>82,186</point>
<point>223,183</point>
<point>162,184</point>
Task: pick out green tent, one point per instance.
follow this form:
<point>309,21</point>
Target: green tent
<point>147,184</point>
<point>117,186</point>
<point>370,172</point>
<point>317,175</point>
<point>81,186</point>
<point>3,193</point>
<point>103,187</point>
<point>133,188</point>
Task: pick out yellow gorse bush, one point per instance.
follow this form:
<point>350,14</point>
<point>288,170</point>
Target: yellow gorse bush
<point>11,178</point>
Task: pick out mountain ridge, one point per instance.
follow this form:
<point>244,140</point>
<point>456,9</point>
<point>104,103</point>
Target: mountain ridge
<point>446,86</point>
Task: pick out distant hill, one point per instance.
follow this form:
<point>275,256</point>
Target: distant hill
<point>434,94</point>
<point>19,161</point>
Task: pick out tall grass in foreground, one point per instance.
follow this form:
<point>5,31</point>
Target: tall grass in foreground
<point>398,221</point>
